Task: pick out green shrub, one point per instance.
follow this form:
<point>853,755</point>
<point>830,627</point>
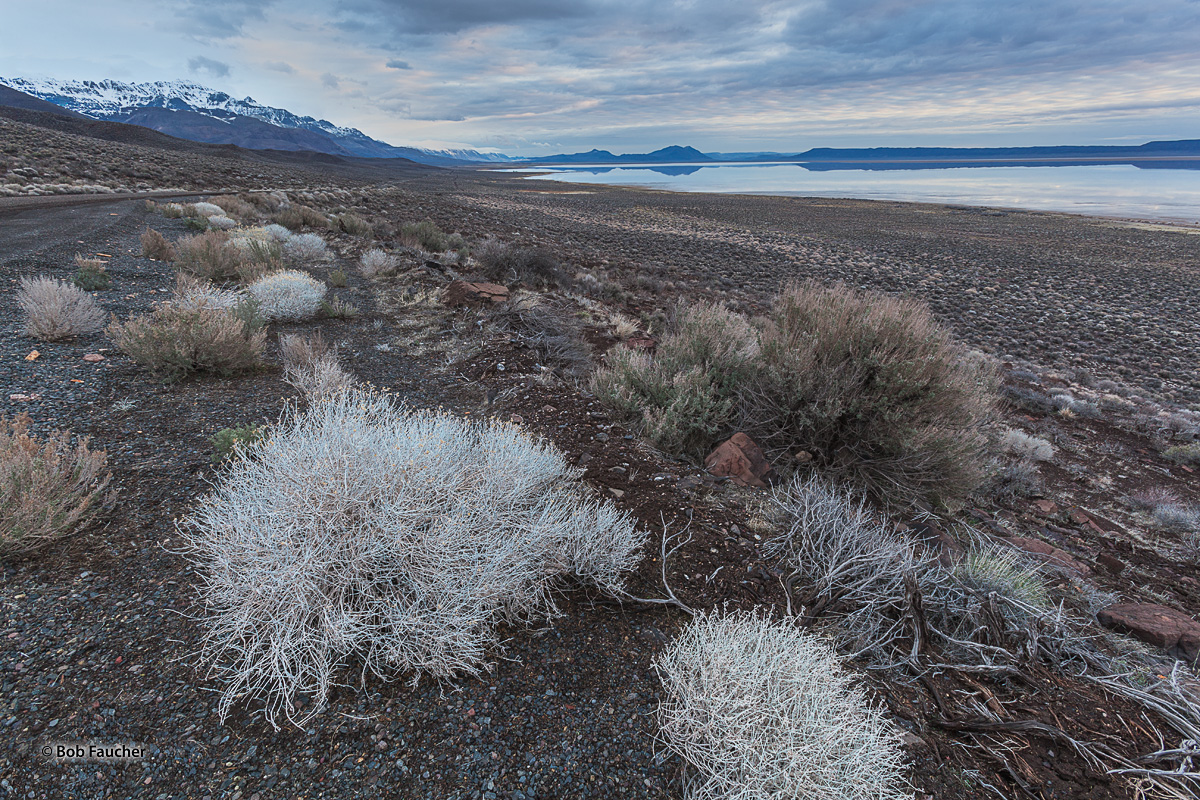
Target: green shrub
<point>90,275</point>
<point>48,487</point>
<point>337,308</point>
<point>352,224</point>
<point>429,236</point>
<point>174,341</point>
<point>290,218</point>
<point>229,442</point>
<point>196,223</point>
<point>1187,454</point>
<point>685,396</point>
<point>869,385</point>
<point>874,389</point>
<point>338,279</point>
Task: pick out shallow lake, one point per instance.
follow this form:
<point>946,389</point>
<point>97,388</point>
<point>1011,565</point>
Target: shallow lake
<point>1114,190</point>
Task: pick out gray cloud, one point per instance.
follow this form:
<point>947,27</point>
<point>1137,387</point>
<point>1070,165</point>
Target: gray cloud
<point>330,80</point>
<point>419,17</point>
<point>217,69</point>
<point>219,19</point>
<point>280,66</point>
<point>396,63</point>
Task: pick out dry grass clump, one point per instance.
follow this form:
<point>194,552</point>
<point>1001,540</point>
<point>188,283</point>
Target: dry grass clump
<point>288,295</point>
<point>235,207</point>
<point>868,384</point>
<point>1028,448</point>
<point>221,223</point>
<point>352,224</point>
<point>505,263</point>
<point>176,340</point>
<point>306,247</point>
<point>90,274</point>
<point>48,487</point>
<point>55,310</point>
<point>191,293</point>
<point>397,540</point>
<point>685,395</point>
<point>311,365</point>
<point>429,237</point>
<point>760,710</point>
<point>1188,454</point>
<point>377,262</point>
<point>156,246</point>
<point>550,330</point>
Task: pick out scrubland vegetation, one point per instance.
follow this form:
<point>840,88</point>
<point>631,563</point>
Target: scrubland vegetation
<point>356,540</point>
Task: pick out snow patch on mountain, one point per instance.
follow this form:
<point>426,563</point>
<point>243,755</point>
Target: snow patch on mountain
<point>110,99</point>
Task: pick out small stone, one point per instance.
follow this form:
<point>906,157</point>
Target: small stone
<point>741,459</point>
<point>93,358</point>
<point>616,492</point>
<point>33,355</point>
<point>803,457</point>
<point>1046,507</point>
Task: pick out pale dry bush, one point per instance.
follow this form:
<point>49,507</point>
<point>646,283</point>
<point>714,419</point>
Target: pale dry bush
<point>760,710</point>
<point>288,295</point>
<point>1021,445</point>
<point>210,256</point>
<point>49,487</point>
<point>363,532</point>
<point>192,293</point>
<point>306,247</point>
<point>55,310</point>
<point>549,329</point>
<point>156,246</point>
<point>221,223</point>
<point>311,365</point>
<point>277,233</point>
<point>377,262</point>
<point>206,209</point>
<point>851,565</point>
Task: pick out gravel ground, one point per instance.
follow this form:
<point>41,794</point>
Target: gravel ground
<point>99,630</point>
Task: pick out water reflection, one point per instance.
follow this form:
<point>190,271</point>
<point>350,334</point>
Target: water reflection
<point>1148,189</point>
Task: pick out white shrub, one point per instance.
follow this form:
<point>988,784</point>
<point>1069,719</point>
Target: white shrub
<point>277,232</point>
<point>400,539</point>
<point>192,293</point>
<point>221,223</point>
<point>763,711</point>
<point>311,365</point>
<point>374,262</point>
<point>55,310</point>
<point>306,247</point>
<point>1022,445</point>
<point>288,295</point>
<point>208,210</point>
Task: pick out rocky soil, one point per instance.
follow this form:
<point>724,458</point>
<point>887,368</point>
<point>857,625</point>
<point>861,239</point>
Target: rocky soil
<point>100,630</point>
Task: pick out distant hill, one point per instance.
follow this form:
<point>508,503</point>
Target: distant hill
<point>675,154</point>
<point>190,111</point>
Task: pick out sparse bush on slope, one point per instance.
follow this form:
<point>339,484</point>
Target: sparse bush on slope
<point>507,263</point>
<point>306,247</point>
<point>55,310</point>
<point>49,487</point>
<point>760,710</point>
<point>377,262</point>
<point>156,246</point>
<point>360,531</point>
<point>210,256</point>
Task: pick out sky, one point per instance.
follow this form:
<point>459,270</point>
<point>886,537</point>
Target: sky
<point>535,77</point>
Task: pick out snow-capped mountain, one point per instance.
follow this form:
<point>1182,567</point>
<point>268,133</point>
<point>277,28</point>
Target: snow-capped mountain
<point>178,108</point>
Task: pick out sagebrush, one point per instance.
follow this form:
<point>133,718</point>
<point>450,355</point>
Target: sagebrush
<point>49,487</point>
<point>174,340</point>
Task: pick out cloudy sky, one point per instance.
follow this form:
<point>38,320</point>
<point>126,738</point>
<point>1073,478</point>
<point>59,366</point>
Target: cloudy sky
<point>542,76</point>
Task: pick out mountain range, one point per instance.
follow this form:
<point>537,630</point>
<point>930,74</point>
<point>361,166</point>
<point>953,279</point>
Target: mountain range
<point>191,111</point>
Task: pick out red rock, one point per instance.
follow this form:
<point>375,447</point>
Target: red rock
<point>1052,555</point>
<point>1046,507</point>
<point>742,460</point>
<point>1079,516</point>
<point>462,293</point>
<point>93,358</point>
<point>1111,563</point>
<point>1164,627</point>
<point>641,343</point>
